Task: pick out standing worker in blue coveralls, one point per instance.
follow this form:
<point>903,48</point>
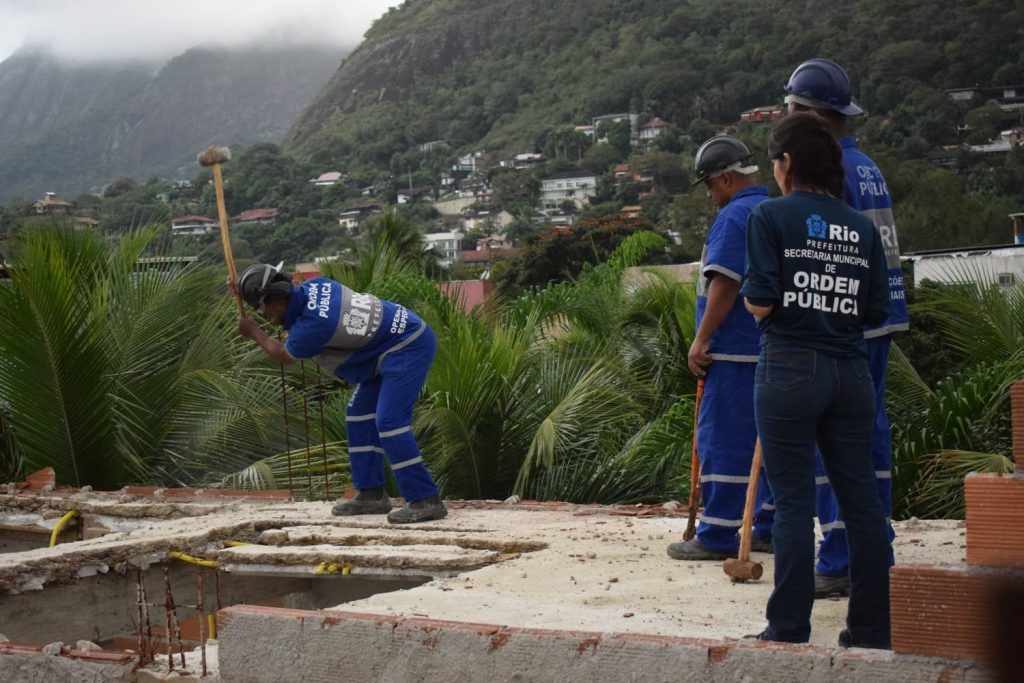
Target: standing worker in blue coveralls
<point>724,352</point>
<point>382,347</point>
<point>822,85</point>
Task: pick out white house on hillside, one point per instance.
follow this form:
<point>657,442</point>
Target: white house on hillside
<point>1001,265</point>
<point>192,225</point>
<point>576,186</point>
<point>447,245</point>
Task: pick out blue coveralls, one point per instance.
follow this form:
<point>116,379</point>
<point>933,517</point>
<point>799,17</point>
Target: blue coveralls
<point>726,432</point>
<point>386,350</point>
<point>867,192</point>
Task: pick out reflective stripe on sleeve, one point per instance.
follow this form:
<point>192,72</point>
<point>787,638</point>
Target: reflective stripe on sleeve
<point>395,432</point>
<point>361,418</point>
<point>366,449</point>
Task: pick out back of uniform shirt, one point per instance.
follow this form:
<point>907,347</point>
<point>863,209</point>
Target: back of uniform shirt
<point>867,192</point>
<point>822,266</point>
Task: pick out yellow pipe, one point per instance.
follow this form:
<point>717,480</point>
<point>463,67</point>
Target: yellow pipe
<point>213,626</point>
<point>60,526</point>
<point>235,544</point>
<point>192,559</point>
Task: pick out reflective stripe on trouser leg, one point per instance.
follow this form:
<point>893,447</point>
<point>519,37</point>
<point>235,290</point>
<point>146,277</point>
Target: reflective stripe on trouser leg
<point>725,442</point>
<point>834,552</point>
<point>402,374</point>
<point>365,452</point>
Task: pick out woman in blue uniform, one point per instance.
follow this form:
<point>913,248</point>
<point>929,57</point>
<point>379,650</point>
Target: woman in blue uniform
<point>383,348</point>
<point>816,274</point>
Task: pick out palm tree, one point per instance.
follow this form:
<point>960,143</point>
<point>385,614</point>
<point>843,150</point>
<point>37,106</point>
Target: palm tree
<point>962,424</point>
<point>114,370</point>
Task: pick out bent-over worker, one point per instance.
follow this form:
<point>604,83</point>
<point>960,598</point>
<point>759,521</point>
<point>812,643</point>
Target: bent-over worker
<point>383,348</point>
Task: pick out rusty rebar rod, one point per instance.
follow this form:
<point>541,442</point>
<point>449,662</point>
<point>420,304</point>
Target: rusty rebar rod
<point>174,634</point>
<point>305,427</point>
<point>140,600</point>
<point>168,627</point>
<point>202,621</point>
<point>287,439</point>
<point>220,601</point>
<point>323,433</point>
<point>149,655</point>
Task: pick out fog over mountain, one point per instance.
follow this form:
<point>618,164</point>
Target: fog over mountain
<point>107,30</point>
<point>91,91</point>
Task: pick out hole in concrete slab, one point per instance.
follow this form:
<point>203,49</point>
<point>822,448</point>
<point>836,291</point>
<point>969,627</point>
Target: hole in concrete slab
<point>17,537</point>
<point>104,608</point>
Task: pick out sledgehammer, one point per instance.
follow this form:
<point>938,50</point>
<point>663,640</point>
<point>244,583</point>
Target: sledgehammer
<point>691,517</point>
<point>742,569</point>
<point>215,156</point>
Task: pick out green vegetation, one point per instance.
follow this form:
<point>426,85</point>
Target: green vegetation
<point>578,391</point>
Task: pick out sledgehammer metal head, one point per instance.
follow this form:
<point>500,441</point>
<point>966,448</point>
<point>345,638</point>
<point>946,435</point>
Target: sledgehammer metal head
<point>214,155</point>
<point>741,571</point>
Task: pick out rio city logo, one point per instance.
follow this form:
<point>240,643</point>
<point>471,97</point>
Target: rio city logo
<point>817,227</point>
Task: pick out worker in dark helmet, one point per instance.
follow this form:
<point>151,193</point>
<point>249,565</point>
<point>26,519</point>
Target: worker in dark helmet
<point>822,86</point>
<point>383,348</point>
<point>724,353</point>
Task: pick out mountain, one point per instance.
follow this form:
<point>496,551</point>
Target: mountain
<point>495,73</point>
<point>73,127</point>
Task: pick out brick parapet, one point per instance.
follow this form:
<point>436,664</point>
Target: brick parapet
<point>995,535</point>
<point>263,644</point>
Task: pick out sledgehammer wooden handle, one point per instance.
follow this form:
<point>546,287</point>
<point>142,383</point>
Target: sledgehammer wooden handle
<point>742,569</point>
<point>695,493</point>
<point>214,157</point>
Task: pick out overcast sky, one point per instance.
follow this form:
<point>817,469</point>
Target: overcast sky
<point>115,29</point>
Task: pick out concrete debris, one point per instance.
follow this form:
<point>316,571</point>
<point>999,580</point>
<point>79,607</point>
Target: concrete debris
<point>87,646</point>
<point>512,500</point>
<point>53,649</point>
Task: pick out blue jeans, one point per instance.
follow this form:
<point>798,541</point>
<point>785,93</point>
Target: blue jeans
<point>834,552</point>
<point>801,397</point>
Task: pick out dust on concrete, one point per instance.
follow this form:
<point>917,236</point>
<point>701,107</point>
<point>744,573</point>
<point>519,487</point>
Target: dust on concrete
<point>553,567</point>
<point>609,573</point>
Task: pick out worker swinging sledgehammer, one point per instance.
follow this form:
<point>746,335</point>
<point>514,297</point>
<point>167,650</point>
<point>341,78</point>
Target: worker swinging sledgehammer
<point>383,348</point>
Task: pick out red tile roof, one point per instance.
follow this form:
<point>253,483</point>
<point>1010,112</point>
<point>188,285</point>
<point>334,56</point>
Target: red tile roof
<point>257,215</point>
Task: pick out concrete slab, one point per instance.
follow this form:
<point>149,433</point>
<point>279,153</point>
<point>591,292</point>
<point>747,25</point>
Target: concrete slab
<point>418,556</point>
<point>557,591</point>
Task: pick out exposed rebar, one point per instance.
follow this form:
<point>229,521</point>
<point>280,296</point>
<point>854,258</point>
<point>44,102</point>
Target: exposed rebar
<point>287,439</point>
<point>202,621</point>
<point>305,428</point>
<point>168,627</point>
<point>220,601</point>
<point>139,602</point>
<point>323,433</point>
<point>147,646</point>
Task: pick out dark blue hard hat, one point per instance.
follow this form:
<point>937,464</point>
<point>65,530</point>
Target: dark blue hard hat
<point>822,84</point>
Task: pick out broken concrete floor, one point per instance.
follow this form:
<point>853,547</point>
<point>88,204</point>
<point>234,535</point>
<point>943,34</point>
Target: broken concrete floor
<point>527,566</point>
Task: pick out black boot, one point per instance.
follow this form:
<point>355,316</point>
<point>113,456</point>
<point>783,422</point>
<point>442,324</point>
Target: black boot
<point>420,511</point>
<point>373,501</point>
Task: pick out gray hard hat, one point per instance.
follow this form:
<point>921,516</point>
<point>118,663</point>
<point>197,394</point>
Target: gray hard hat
<point>719,155</point>
<point>261,280</point>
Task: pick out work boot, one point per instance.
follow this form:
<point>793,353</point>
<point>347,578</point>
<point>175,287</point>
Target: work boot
<point>423,510</point>
<point>694,550</point>
<point>846,640</point>
<point>758,545</point>
<point>831,586</point>
<point>373,501</point>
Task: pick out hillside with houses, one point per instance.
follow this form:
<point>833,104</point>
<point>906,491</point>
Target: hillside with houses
<point>491,134</point>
